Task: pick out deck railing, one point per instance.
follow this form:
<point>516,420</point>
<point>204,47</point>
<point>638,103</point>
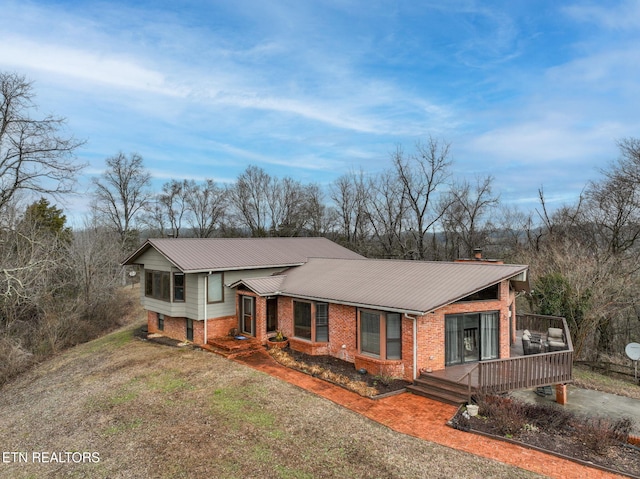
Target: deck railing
<point>501,375</point>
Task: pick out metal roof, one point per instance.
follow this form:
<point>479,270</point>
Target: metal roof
<point>195,255</point>
<point>411,286</point>
<point>264,286</point>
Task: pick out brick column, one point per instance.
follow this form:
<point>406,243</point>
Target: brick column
<point>561,394</point>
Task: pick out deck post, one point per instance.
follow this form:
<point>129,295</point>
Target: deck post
<point>561,394</point>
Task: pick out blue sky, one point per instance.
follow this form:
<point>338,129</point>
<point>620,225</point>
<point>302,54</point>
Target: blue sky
<point>535,93</point>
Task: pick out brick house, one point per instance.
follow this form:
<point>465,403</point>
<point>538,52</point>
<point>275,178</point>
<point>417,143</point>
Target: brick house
<point>391,317</point>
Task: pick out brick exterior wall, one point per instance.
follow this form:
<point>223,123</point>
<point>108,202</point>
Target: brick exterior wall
<point>343,336</point>
<point>431,332</point>
<point>343,332</point>
<point>176,328</point>
<point>217,327</point>
<point>429,328</point>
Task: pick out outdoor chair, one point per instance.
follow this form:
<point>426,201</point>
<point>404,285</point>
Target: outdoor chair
<point>530,344</point>
<point>556,339</point>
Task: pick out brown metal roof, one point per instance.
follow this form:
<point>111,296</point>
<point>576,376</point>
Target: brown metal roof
<point>409,286</point>
<point>264,286</point>
<point>218,254</point>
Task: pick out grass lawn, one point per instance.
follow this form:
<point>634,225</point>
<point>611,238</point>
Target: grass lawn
<point>151,411</point>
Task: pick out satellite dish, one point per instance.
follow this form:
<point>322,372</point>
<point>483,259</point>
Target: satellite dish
<point>633,351</point>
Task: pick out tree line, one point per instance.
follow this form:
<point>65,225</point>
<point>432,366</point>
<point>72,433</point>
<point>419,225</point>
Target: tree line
<point>58,285</point>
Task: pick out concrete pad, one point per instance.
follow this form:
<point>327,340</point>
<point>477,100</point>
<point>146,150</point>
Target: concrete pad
<point>591,403</point>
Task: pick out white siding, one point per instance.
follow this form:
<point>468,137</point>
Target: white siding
<point>195,291</point>
<point>152,260</point>
<point>194,296</point>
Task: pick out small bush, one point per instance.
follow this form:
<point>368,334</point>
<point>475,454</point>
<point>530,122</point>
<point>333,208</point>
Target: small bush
<point>508,416</point>
<point>600,434</point>
<point>547,416</point>
<point>13,359</point>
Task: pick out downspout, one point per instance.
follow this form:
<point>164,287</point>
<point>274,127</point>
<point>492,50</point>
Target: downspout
<point>205,309</point>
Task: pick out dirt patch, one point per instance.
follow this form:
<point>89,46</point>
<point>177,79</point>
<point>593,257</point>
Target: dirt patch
<point>340,372</point>
<point>597,441</point>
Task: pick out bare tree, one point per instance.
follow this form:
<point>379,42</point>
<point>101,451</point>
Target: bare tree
<point>387,214</point>
<point>122,192</point>
<point>613,210</point>
<point>287,200</point>
<point>34,154</point>
<point>207,203</point>
<point>249,198</point>
<point>629,161</point>
<point>320,217</point>
<point>422,174</point>
<point>174,201</point>
<point>613,203</point>
<point>350,196</point>
<point>513,225</point>
<point>94,255</point>
<point>466,220</point>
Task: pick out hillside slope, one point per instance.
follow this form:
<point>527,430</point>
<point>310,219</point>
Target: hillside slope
<point>120,407</point>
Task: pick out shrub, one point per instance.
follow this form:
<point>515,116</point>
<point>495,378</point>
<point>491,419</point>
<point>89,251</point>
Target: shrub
<point>13,359</point>
<point>547,416</point>
<point>599,434</point>
<point>508,415</point>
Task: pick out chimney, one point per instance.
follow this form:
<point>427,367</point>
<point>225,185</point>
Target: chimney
<point>477,253</point>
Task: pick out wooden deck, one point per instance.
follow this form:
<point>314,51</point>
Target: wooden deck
<point>456,384</point>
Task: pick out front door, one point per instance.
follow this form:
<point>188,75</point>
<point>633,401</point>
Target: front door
<point>272,314</point>
<point>247,315</point>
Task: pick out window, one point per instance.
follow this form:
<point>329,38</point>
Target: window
<point>394,336</point>
<point>157,284</point>
<point>215,288</point>
<point>160,322</point>
<point>189,329</point>
<point>381,334</point>
<point>492,292</point>
<point>302,320</point>
<point>178,286</point>
<point>370,333</point>
<point>316,330</point>
<point>322,322</point>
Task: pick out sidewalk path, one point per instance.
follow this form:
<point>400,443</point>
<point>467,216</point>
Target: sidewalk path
<point>426,419</point>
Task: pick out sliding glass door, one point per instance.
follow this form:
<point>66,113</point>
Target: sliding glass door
<point>471,337</point>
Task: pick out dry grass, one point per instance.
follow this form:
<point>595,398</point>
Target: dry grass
<point>155,411</point>
<point>585,378</point>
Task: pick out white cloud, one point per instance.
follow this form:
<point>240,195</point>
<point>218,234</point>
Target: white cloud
<point>86,66</point>
<point>623,16</point>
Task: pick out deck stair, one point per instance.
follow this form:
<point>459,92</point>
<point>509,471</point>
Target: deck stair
<point>440,389</point>
<point>229,347</point>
